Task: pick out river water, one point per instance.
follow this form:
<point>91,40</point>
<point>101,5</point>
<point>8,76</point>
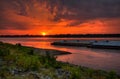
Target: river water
<point>104,59</point>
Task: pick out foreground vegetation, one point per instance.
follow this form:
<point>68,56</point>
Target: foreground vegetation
<point>20,62</point>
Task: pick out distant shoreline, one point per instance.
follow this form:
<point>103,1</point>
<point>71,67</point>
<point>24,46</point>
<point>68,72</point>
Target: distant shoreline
<point>68,36</point>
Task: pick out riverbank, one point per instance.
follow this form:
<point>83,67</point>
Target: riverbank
<point>21,62</point>
<point>52,52</point>
<point>102,44</point>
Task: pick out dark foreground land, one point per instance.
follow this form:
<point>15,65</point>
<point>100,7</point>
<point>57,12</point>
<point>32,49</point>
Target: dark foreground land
<point>20,62</point>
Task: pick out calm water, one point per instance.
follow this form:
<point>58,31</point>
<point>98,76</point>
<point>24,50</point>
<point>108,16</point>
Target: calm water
<point>95,58</point>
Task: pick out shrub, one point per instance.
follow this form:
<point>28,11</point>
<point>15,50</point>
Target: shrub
<point>1,42</point>
<point>18,44</point>
<point>28,62</point>
<point>5,72</point>
<point>49,60</point>
<point>111,75</point>
<point>4,52</point>
<point>31,52</point>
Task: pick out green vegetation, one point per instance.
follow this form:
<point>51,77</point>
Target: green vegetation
<point>20,62</point>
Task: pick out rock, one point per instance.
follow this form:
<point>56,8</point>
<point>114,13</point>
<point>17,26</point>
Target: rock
<point>34,75</point>
<point>61,73</point>
<point>15,71</point>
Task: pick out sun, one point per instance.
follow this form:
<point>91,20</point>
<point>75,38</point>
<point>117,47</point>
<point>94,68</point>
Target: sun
<point>43,33</point>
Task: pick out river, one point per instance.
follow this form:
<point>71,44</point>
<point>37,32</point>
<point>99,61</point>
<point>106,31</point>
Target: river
<point>104,59</point>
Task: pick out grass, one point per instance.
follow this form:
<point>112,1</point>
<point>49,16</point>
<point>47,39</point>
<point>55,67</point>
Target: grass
<point>25,60</point>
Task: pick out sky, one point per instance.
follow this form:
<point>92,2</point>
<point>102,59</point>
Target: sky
<point>59,17</point>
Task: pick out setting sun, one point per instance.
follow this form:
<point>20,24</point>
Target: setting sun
<point>43,33</point>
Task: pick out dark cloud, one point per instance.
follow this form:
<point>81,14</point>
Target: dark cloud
<point>82,10</point>
<point>85,9</point>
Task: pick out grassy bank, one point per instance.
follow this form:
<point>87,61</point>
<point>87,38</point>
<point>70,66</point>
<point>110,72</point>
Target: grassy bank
<point>20,62</point>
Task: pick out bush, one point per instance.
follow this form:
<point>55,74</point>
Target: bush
<point>4,52</point>
<point>18,44</point>
<point>31,52</point>
<point>112,75</point>
<point>28,62</point>
<point>5,72</point>
<point>1,42</point>
<point>49,60</point>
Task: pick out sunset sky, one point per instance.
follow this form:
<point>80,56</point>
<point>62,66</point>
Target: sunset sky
<point>59,16</point>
